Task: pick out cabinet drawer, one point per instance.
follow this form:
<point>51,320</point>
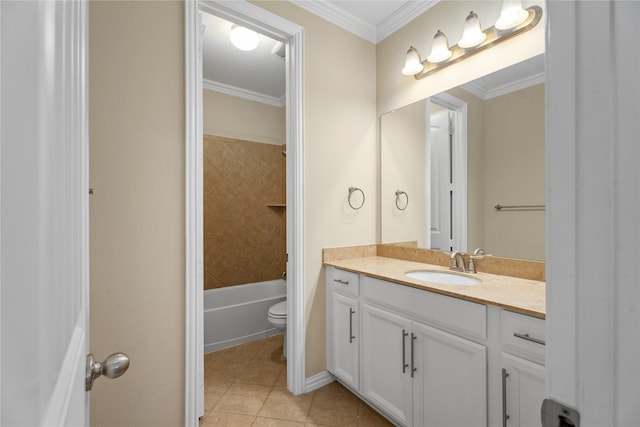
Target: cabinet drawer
<point>445,312</point>
<point>345,282</point>
<point>523,335</point>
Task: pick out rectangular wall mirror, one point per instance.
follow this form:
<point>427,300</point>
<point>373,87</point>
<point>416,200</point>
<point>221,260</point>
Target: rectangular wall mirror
<point>465,169</point>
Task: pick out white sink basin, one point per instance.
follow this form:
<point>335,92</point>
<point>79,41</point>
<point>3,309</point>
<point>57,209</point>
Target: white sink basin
<point>443,277</point>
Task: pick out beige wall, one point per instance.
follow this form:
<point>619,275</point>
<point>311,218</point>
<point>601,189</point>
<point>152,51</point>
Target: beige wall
<point>404,165</point>
<point>514,173</point>
<point>233,117</point>
<point>136,87</point>
<point>395,90</point>
<point>403,146</point>
<point>340,150</point>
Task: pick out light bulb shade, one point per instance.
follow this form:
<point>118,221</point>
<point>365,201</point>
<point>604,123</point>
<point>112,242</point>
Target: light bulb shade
<point>440,49</point>
<point>243,38</point>
<point>511,15</point>
<point>413,63</point>
<point>472,35</point>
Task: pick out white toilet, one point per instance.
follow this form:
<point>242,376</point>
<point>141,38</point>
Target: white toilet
<point>278,319</point>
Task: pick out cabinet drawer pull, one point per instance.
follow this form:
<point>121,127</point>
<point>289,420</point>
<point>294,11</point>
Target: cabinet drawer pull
<point>405,365</point>
<point>413,369</point>
<point>342,282</point>
<point>505,416</point>
<point>351,336</point>
<point>528,338</point>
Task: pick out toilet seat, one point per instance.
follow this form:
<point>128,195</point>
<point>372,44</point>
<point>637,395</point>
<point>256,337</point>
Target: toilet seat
<point>279,310</point>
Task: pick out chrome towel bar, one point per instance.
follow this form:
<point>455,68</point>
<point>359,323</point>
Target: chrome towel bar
<point>520,207</point>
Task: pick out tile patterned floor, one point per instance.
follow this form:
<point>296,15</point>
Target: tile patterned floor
<point>246,386</point>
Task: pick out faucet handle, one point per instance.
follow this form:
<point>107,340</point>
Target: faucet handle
<point>472,264</point>
<point>454,264</point>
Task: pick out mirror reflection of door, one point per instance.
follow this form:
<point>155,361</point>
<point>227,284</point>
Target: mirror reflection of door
<point>446,173</point>
<point>440,147</point>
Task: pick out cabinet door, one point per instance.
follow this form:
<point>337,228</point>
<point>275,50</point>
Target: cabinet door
<point>524,391</point>
<point>345,339</point>
<point>450,380</point>
<point>385,363</point>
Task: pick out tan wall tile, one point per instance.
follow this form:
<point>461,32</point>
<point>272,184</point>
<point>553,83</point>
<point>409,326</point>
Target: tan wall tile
<point>244,238</point>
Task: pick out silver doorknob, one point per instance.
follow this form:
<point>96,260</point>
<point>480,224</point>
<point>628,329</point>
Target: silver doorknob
<point>112,367</point>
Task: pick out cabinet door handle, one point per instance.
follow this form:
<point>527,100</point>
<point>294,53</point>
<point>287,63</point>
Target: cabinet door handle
<point>529,338</point>
<point>351,336</point>
<point>505,416</point>
<point>413,369</point>
<point>342,282</point>
<point>405,365</point>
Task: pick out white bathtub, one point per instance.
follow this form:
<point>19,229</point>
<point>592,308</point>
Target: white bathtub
<point>238,314</point>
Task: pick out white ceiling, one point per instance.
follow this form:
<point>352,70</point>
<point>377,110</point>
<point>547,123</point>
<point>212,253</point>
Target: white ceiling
<point>260,75</point>
<point>518,76</point>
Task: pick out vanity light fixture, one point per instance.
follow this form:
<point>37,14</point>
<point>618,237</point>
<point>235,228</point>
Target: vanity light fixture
<point>474,40</point>
<point>440,49</point>
<point>413,63</point>
<point>243,38</point>
<point>472,35</point>
<point>511,15</point>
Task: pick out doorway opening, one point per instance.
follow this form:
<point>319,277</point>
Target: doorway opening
<point>290,35</point>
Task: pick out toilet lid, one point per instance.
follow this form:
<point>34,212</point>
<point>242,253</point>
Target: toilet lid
<point>279,309</point>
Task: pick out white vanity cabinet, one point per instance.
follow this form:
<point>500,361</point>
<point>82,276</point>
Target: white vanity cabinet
<point>417,365</point>
<point>523,371</point>
<point>343,326</point>
<point>427,359</point>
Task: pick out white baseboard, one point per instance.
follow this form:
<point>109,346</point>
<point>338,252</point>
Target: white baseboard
<point>320,379</point>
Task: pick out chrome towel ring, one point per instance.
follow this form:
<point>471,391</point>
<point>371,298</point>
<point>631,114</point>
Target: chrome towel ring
<point>401,206</point>
<point>351,191</point>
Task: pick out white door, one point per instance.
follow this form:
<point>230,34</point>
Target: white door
<point>386,370</point>
<point>450,381</point>
<point>345,339</point>
<point>441,181</point>
<point>524,390</point>
<point>592,178</point>
<point>44,213</point>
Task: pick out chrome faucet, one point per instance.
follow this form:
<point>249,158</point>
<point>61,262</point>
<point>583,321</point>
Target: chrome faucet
<point>457,261</point>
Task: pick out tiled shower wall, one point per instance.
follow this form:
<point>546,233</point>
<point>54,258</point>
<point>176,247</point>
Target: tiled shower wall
<point>244,213</point>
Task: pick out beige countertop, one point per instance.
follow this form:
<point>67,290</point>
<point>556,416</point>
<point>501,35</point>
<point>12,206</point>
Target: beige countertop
<point>513,293</point>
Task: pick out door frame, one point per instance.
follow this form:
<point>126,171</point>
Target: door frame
<point>459,218</point>
<point>278,28</point>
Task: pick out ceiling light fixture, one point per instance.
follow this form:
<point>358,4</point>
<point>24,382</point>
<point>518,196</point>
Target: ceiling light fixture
<point>473,39</point>
<point>243,38</point>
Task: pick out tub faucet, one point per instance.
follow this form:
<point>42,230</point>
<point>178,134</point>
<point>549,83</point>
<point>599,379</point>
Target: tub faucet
<point>457,261</point>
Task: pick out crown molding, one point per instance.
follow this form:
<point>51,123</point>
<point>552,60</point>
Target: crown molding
<point>374,34</point>
<point>485,94</point>
<point>243,93</point>
<point>339,17</point>
<point>401,17</point>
